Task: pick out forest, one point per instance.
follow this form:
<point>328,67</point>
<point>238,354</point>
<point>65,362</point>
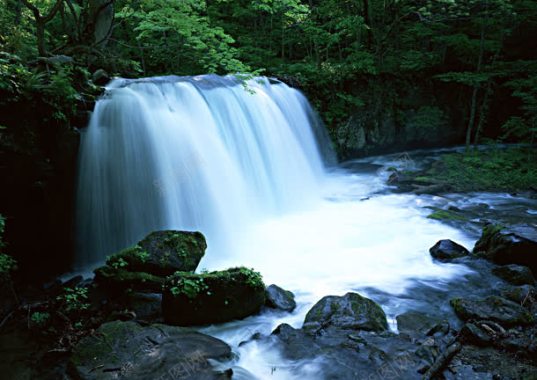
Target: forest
<point>385,79</point>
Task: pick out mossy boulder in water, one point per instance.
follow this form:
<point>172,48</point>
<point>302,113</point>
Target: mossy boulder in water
<point>145,266</point>
<point>352,311</point>
<point>513,245</point>
<point>162,253</point>
<point>215,297</point>
<point>127,350</point>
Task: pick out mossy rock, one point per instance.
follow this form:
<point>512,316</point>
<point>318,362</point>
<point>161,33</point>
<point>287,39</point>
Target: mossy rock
<point>120,279</point>
<point>162,253</point>
<point>127,350</point>
<point>352,311</point>
<point>145,266</point>
<point>446,215</point>
<point>215,297</point>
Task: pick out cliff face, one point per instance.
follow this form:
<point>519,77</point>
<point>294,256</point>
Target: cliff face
<point>399,116</point>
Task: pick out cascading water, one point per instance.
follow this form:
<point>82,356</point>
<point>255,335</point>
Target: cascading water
<point>247,167</point>
<point>202,153</point>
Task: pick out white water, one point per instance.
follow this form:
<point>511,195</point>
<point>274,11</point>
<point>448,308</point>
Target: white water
<point>244,167</point>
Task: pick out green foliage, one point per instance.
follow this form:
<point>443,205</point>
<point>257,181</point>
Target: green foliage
<point>40,319</point>
<point>189,287</point>
<point>253,278</point>
<point>118,263</point>
<point>428,120</point>
<point>340,52</point>
<point>74,300</point>
<point>177,37</point>
<point>7,263</point>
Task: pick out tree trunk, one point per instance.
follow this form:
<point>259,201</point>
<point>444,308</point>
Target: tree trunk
<point>40,35</point>
<point>473,104</point>
<point>483,112</point>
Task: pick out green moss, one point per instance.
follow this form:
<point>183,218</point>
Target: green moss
<point>446,215</point>
<point>100,345</point>
<point>192,284</point>
<point>126,256</point>
<point>456,305</point>
<point>492,170</point>
<point>125,279</point>
<point>491,230</point>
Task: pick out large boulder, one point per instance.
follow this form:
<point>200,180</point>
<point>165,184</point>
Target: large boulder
<point>351,311</point>
<point>278,298</point>
<point>162,253</point>
<point>127,350</point>
<point>514,245</point>
<point>446,250</point>
<point>145,266</point>
<point>515,274</point>
<point>215,297</point>
<point>492,308</point>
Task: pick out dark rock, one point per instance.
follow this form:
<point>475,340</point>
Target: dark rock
<point>146,306</point>
<point>400,178</point>
<point>477,362</point>
<point>521,294</point>
<point>473,334</point>
<point>515,274</point>
<point>279,298</point>
<point>494,308</point>
<point>523,342</point>
<point>415,322</point>
<point>100,77</point>
<point>446,250</point>
<point>352,311</point>
<point>126,350</point>
<point>348,354</point>
<point>196,299</point>
<point>296,343</point>
<point>514,245</point>
<point>144,266</point>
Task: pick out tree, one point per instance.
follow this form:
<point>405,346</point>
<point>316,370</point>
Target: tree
<point>41,21</point>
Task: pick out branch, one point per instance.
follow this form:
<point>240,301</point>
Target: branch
<point>53,11</point>
<point>33,8</point>
<point>37,13</point>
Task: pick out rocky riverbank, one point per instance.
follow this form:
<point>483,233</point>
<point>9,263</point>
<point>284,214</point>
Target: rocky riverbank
<point>130,320</point>
<point>93,330</point>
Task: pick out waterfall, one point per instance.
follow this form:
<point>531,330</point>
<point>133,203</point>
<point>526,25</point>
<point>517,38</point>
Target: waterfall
<point>205,153</point>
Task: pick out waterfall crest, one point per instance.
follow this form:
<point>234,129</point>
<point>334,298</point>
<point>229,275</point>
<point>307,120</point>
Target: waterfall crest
<point>204,153</point>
